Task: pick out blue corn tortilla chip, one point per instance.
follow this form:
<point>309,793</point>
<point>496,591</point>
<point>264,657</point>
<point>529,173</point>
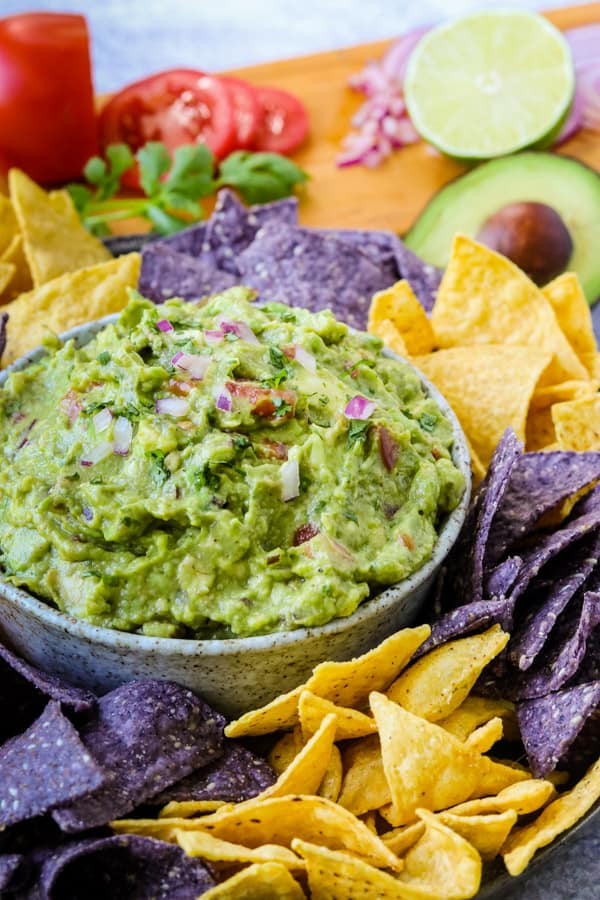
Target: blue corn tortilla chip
<point>379,246</point>
<point>166,273</point>
<point>551,724</point>
<point>45,767</point>
<point>191,240</point>
<point>238,775</point>
<point>468,619</point>
<point>305,268</point>
<point>501,579</point>
<point>146,735</point>
<point>3,324</point>
<point>11,867</point>
<point>123,867</point>
<point>589,670</point>
<point>538,483</point>
<point>565,575</point>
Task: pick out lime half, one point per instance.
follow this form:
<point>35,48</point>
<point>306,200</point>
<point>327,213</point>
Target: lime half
<point>490,83</point>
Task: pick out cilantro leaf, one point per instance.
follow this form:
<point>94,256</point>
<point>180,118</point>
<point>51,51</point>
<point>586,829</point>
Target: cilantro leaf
<point>358,430</point>
<point>154,161</point>
<point>428,422</point>
<point>260,177</point>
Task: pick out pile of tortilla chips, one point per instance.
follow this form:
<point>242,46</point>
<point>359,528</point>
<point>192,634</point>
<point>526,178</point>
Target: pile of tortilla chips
<point>502,351</point>
<point>54,275</point>
<point>386,787</point>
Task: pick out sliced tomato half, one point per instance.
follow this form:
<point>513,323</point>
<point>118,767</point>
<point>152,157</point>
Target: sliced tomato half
<point>246,110</point>
<point>283,124</point>
<point>180,106</point>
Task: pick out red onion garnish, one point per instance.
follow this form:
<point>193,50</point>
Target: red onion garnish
<point>122,436</point>
<point>195,365</point>
<point>306,359</point>
<point>172,406</point>
<point>102,419</point>
<point>290,480</point>
<point>97,454</point>
<point>87,513</point>
<point>359,408</point>
<point>240,329</point>
<point>214,336</point>
<point>164,325</point>
<point>223,398</point>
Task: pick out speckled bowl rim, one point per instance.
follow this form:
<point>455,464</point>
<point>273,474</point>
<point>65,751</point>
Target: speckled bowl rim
<point>370,607</point>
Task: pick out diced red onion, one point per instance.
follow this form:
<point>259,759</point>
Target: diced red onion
<point>223,400</point>
<point>102,419</point>
<point>71,408</point>
<point>306,359</point>
<point>241,330</point>
<point>164,325</point>
<point>172,406</point>
<point>97,453</point>
<point>359,408</point>
<point>214,336</point>
<point>87,513</point>
<point>195,365</point>
<point>290,480</point>
<point>122,436</point>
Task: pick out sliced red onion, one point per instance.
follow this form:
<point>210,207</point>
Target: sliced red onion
<point>241,330</point>
<point>195,365</point>
<point>102,419</point>
<point>97,454</point>
<point>122,436</point>
<point>359,408</point>
<point>290,480</point>
<point>164,325</point>
<point>172,406</point>
<point>306,359</point>
<point>223,399</point>
<point>585,112</point>
<point>214,336</point>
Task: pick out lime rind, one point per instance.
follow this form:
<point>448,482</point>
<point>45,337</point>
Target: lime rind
<point>470,110</point>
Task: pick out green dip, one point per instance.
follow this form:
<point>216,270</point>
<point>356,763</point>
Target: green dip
<point>280,509</point>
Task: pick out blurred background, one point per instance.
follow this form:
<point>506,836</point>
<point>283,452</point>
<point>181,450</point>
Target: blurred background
<point>132,38</point>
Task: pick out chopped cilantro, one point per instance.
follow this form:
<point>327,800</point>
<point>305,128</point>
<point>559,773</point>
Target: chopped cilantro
<point>428,422</point>
<point>103,358</point>
<point>351,516</point>
<point>97,479</point>
<point>277,358</point>
<point>241,442</point>
<point>231,337</point>
<point>129,411</point>
<point>357,432</point>
<point>205,477</point>
<point>281,407</point>
<point>159,472</point>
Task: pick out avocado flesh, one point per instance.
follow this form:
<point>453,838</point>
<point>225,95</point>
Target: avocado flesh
<point>568,186</point>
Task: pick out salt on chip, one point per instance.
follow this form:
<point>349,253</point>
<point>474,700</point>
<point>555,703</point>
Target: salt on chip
<point>70,300</point>
<point>331,784</point>
<point>399,306</point>
<point>484,737</point>
<point>560,815</point>
<point>577,423</point>
<point>475,711</point>
<point>207,846</point>
<point>486,833</point>
<point>524,798</point>
<point>488,387</point>
<point>307,770</point>
<point>442,862</point>
<point>350,722</point>
<point>278,820</point>
<point>364,786</point>
<point>334,875</point>
<point>436,685</point>
<point>572,310</point>
<point>261,881</point>
<point>485,299</point>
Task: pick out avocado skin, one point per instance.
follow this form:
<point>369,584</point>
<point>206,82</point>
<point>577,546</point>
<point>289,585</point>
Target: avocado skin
<point>570,187</point>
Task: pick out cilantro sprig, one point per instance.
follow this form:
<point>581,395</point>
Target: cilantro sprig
<point>174,186</point>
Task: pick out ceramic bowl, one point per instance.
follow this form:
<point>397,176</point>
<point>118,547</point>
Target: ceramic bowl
<point>233,675</point>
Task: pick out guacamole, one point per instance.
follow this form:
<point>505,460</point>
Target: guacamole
<point>219,471</point>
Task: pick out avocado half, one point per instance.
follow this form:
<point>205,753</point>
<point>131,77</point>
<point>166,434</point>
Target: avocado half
<point>568,186</point>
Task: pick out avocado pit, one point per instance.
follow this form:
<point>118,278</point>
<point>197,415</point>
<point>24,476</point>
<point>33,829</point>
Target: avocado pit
<point>533,236</point>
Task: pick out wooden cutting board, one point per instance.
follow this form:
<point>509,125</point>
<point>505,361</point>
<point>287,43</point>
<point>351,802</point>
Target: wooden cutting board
<point>392,195</point>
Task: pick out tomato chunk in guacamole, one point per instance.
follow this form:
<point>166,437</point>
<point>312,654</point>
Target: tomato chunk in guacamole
<point>219,470</point>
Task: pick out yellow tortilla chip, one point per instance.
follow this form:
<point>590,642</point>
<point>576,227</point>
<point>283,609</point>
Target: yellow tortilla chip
<point>524,797</point>
<point>344,683</point>
<point>278,820</point>
<point>399,306</point>
<point>9,227</point>
<point>7,273</point>
<point>401,839</point>
<point>161,829</point>
<point>477,467</point>
<point>488,387</point>
<point>364,786</point>
<point>63,205</point>
<point>307,770</point>
<point>442,862</point>
<point>560,393</point>
<point>435,685</point>
<point>332,779</point>
<point>485,299</point>
<point>572,310</point>
<point>563,813</point>
<point>188,808</point>
<point>484,737</point>
<point>55,242</point>
<point>496,776</point>
<point>70,300</point>
<point>476,711</point>
<point>577,424</point>
<point>285,750</point>
<point>21,281</point>
<point>350,722</point>
<point>333,875</point>
<point>391,337</point>
<point>592,363</point>
<point>262,881</point>
<point>486,833</point>
<point>201,843</point>
<point>539,430</point>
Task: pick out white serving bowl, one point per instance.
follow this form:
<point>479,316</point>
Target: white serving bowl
<point>233,675</point>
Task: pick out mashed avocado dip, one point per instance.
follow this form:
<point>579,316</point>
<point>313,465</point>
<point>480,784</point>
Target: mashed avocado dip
<point>218,471</point>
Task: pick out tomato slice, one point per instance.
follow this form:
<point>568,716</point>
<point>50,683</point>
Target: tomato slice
<point>246,110</point>
<point>284,121</point>
<point>179,106</point>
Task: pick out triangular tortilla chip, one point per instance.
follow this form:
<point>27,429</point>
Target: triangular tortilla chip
<point>307,770</point>
<point>21,280</point>
<point>350,722</point>
<point>399,306</point>
<point>9,227</point>
<point>262,881</point>
<point>572,310</point>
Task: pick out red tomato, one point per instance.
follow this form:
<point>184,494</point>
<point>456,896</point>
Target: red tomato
<point>284,121</point>
<point>246,111</point>
<point>180,106</point>
<point>47,121</point>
